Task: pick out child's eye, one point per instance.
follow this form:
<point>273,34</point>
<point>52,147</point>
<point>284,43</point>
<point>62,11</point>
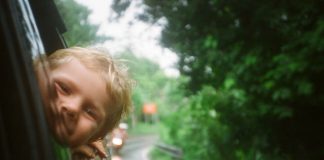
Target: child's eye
<point>63,88</point>
<point>90,111</point>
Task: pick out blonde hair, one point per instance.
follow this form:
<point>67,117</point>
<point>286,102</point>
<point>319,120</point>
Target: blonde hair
<point>113,72</point>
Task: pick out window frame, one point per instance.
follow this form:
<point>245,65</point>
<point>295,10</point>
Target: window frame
<point>28,28</point>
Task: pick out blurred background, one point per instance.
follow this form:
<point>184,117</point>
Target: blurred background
<point>215,79</point>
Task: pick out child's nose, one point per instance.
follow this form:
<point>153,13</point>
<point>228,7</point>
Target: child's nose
<point>70,115</point>
<point>71,112</point>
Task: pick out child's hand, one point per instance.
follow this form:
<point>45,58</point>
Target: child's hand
<point>89,151</point>
<point>99,147</point>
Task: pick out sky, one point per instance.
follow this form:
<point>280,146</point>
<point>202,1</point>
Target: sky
<point>141,38</point>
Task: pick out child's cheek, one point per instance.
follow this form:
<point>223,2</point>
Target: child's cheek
<point>86,130</point>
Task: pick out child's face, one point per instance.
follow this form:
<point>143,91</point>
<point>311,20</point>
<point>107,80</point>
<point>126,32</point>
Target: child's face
<point>79,99</point>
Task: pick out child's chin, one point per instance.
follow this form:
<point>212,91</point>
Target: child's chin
<point>60,137</point>
<point>65,140</point>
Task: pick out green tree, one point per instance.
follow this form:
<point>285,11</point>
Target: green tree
<point>80,32</point>
<point>152,85</point>
<point>265,61</point>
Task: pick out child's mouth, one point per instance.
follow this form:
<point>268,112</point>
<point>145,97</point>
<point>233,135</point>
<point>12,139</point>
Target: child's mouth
<point>61,128</point>
<point>67,123</point>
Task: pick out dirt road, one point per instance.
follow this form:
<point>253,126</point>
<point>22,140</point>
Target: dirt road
<point>137,148</point>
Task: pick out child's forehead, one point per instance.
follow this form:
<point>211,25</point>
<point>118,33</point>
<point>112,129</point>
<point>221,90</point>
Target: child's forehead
<point>72,59</point>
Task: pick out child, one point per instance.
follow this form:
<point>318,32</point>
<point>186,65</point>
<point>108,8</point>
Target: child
<point>85,94</point>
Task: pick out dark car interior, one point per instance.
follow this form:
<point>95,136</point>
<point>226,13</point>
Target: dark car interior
<point>28,28</point>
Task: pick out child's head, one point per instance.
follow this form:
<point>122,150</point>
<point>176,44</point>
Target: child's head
<point>90,92</point>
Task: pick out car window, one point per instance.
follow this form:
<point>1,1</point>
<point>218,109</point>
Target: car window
<point>26,34</point>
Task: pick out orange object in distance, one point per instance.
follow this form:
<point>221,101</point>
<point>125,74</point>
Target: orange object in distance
<point>149,108</point>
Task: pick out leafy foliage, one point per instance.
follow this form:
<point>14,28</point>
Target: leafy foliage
<point>152,85</point>
<point>263,64</point>
<point>79,30</point>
